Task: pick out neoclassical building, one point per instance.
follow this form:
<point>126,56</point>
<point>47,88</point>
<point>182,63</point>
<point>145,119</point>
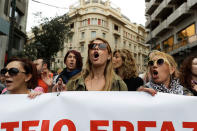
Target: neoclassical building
<point>98,18</point>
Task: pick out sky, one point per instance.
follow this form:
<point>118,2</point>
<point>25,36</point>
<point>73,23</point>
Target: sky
<point>133,9</point>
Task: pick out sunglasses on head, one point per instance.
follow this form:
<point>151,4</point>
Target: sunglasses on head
<point>101,46</point>
<point>11,71</point>
<point>159,62</point>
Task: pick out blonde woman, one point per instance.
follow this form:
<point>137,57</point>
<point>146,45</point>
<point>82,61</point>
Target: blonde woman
<point>125,66</point>
<point>164,75</point>
<point>98,74</point>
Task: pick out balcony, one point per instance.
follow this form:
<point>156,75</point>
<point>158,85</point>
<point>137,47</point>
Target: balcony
<point>147,0</point>
<point>162,28</point>
<point>152,5</point>
<point>163,10</point>
<point>151,23</point>
<point>178,15</point>
<point>192,4</point>
<point>4,27</point>
<point>182,45</point>
<point>148,38</point>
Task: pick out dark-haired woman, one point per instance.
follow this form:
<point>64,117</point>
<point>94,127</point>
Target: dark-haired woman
<point>21,76</point>
<point>73,62</point>
<point>188,75</point>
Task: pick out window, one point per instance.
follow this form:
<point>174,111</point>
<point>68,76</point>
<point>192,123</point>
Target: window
<point>72,25</point>
<point>84,22</point>
<point>124,43</point>
<point>82,35</point>
<point>94,1</point>
<point>93,34</point>
<point>116,41</point>
<point>95,21</point>
<point>87,1</point>
<point>16,44</point>
<point>169,42</point>
<point>99,21</point>
<point>187,32</point>
<point>92,21</point>
<point>104,35</point>
<point>70,39</point>
<point>115,27</point>
<point>6,7</point>
<point>88,21</point>
<point>158,47</point>
<point>82,47</point>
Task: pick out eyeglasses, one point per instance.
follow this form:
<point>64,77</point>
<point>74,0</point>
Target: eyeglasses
<point>101,46</point>
<point>11,71</point>
<point>159,62</point>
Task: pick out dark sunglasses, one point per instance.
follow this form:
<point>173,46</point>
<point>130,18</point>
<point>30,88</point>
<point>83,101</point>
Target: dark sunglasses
<point>11,71</point>
<point>101,46</point>
<point>159,62</point>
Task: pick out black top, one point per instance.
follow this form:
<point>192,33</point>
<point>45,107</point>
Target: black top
<point>133,83</point>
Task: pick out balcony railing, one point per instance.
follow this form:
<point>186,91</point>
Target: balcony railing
<point>182,43</point>
<point>180,12</point>
<point>192,3</point>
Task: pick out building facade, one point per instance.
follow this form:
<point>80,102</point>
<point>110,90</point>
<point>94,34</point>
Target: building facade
<point>98,18</point>
<point>172,27</point>
<point>19,36</point>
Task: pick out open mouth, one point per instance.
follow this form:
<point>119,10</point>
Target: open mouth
<point>96,54</point>
<point>155,72</point>
<point>8,81</point>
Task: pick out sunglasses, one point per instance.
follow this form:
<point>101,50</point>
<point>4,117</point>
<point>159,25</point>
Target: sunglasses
<point>101,46</point>
<point>159,62</point>
<point>11,71</point>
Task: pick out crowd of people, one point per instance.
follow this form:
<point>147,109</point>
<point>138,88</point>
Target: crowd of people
<point>105,70</point>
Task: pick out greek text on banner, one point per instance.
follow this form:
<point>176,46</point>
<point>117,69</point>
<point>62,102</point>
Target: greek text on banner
<point>98,111</point>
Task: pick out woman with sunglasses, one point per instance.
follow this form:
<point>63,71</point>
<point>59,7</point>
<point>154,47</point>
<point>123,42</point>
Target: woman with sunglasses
<point>125,66</point>
<point>188,76</point>
<point>164,75</point>
<point>21,76</point>
<point>98,74</point>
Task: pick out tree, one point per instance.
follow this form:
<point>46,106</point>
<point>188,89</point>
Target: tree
<point>49,38</point>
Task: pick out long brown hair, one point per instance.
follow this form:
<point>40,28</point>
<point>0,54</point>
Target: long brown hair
<point>128,68</point>
<point>186,73</point>
<point>108,72</point>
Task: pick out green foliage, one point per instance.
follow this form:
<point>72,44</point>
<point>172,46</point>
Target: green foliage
<point>49,38</point>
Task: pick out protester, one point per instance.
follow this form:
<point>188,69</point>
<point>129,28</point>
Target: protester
<point>2,82</point>
<point>45,77</point>
<point>98,74</point>
<point>21,76</point>
<point>146,76</point>
<point>164,75</point>
<point>125,66</point>
<point>188,75</point>
<point>73,62</point>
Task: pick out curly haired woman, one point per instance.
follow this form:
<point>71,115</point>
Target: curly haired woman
<point>188,75</point>
<point>125,66</point>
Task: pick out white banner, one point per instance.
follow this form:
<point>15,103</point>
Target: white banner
<point>98,111</point>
